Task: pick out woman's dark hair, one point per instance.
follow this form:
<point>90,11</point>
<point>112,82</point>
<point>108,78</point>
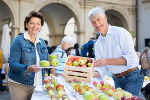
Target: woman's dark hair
<point>33,14</point>
<point>76,47</point>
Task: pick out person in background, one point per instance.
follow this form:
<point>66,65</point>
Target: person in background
<point>85,47</point>
<point>76,51</point>
<point>53,49</point>
<point>26,52</point>
<point>145,65</point>
<point>48,48</point>
<point>66,43</point>
<point>68,51</point>
<point>1,66</point>
<point>114,53</point>
<point>87,50</point>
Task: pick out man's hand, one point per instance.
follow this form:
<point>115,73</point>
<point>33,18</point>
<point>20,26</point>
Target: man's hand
<point>100,62</point>
<point>96,74</point>
<point>33,68</point>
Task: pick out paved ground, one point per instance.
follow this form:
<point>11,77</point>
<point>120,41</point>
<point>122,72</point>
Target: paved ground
<point>5,95</point>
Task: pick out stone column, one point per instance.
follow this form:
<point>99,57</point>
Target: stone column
<point>15,32</point>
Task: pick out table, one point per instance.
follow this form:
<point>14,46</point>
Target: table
<point>40,92</point>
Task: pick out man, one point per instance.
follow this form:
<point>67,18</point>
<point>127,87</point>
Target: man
<point>66,43</point>
<point>114,53</point>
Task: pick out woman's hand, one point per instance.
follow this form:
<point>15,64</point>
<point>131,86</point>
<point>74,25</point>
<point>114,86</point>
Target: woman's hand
<point>100,62</point>
<point>33,68</point>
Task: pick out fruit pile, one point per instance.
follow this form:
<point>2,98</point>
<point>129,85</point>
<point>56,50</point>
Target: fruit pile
<point>88,92</point>
<point>79,61</point>
<point>101,91</point>
<point>54,89</point>
<point>79,68</point>
<point>118,94</point>
<point>53,60</point>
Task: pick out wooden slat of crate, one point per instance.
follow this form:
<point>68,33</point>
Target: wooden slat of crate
<point>78,74</point>
<point>80,79</point>
<point>78,68</point>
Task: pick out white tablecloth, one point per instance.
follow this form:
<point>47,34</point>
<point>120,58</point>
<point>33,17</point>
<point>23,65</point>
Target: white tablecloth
<point>40,92</point>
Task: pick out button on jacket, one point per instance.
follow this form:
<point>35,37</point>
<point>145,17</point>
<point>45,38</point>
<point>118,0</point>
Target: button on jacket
<point>23,54</point>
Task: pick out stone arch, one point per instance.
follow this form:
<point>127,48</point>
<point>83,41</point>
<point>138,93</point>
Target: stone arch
<point>67,6</point>
<point>11,8</point>
<point>7,15</point>
<point>115,17</point>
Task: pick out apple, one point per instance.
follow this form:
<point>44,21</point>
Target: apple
<point>81,62</point>
<point>53,81</point>
<point>73,84</point>
<point>60,88</point>
<point>53,56</point>
<point>117,95</point>
<point>110,92</point>
<point>85,86</point>
<point>89,64</point>
<point>99,86</point>
<point>123,98</point>
<point>75,63</point>
<point>102,82</point>
<point>104,89</point>
<point>95,83</point>
<point>44,63</point>
<point>69,81</point>
<point>89,60</point>
<point>128,98</point>
<point>60,93</point>
<point>135,97</point>
<point>50,88</point>
<point>103,97</point>
<point>118,89</point>
<point>51,92</point>
<point>55,62</point>
<point>113,88</point>
<point>75,58</point>
<point>96,98</point>
<point>85,60</point>
<point>69,63</point>
<point>84,66</point>
<point>70,60</point>
<point>127,94</point>
<point>88,95</point>
<point>81,90</point>
<point>59,85</point>
<point>76,87</point>
<point>47,85</point>
<point>90,89</point>
<point>46,81</point>
<point>46,75</point>
<point>96,93</point>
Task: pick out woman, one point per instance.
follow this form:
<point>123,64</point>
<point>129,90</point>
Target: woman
<point>26,52</point>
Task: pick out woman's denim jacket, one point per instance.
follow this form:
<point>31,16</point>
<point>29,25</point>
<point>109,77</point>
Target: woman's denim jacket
<point>23,54</point>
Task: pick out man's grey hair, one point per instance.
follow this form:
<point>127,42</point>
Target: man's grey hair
<point>94,11</point>
<point>67,39</point>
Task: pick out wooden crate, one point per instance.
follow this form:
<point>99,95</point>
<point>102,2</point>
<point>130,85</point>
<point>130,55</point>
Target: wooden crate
<point>78,73</point>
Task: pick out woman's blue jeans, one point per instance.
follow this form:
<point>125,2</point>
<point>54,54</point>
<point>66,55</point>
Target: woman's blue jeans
<point>131,82</point>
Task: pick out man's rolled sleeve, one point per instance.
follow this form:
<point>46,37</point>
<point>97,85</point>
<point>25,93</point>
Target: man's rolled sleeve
<point>127,48</point>
<point>102,71</point>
